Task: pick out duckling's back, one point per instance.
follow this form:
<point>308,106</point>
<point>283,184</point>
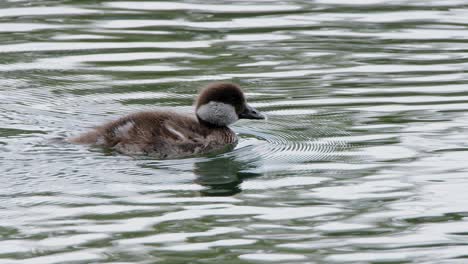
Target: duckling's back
<point>159,134</point>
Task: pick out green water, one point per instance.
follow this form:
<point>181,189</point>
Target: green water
<point>363,158</point>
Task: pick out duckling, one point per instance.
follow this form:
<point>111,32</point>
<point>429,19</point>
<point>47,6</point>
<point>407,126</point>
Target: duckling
<point>166,134</point>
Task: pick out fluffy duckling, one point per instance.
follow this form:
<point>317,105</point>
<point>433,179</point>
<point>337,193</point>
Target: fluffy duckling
<point>164,134</point>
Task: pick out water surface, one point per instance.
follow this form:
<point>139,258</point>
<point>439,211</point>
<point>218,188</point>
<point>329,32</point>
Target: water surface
<point>362,158</point>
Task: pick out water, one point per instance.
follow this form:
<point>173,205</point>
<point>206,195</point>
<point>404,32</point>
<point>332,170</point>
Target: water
<point>362,158</point>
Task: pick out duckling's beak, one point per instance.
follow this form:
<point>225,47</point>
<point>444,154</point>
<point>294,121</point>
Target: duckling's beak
<point>251,113</point>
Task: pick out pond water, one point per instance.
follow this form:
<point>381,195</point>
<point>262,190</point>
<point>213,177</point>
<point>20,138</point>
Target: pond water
<point>363,158</point>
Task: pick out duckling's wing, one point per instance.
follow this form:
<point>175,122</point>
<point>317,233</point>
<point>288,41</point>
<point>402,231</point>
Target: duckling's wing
<point>159,134</point>
<point>184,130</point>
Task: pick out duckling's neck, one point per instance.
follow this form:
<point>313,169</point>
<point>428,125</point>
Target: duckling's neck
<point>209,125</point>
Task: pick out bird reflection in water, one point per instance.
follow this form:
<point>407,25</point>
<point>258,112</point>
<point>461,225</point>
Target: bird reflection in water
<point>222,176</point>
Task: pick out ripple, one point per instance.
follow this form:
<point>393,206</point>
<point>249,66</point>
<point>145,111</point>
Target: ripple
<point>384,3</point>
<point>257,37</point>
<point>296,146</point>
<point>236,8</point>
<point>237,23</point>
<point>86,61</point>
<point>144,223</point>
<point>281,183</point>
<point>272,257</point>
<point>361,159</point>
<point>416,34</point>
<point>342,227</point>
<point>208,245</point>
<point>44,11</point>
<point>82,36</point>
<point>54,46</point>
<point>25,27</point>
<point>59,242</point>
<point>79,255</point>
<point>164,238</point>
<point>146,68</point>
<point>367,190</point>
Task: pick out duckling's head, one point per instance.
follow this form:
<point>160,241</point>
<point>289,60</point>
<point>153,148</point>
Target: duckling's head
<point>221,104</point>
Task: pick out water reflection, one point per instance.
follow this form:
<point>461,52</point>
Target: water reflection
<point>223,175</point>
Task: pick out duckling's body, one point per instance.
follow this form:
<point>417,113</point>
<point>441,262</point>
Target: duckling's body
<point>160,134</point>
<point>165,134</point>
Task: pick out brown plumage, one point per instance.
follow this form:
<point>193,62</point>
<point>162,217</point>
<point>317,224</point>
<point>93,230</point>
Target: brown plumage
<point>165,134</point>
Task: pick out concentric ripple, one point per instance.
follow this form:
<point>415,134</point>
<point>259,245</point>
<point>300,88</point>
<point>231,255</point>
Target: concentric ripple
<point>289,144</point>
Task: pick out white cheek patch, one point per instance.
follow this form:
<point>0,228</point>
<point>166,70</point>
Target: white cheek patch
<point>217,113</point>
<point>123,131</point>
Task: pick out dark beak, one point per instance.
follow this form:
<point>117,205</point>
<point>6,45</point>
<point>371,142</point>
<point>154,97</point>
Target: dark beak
<point>251,113</point>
